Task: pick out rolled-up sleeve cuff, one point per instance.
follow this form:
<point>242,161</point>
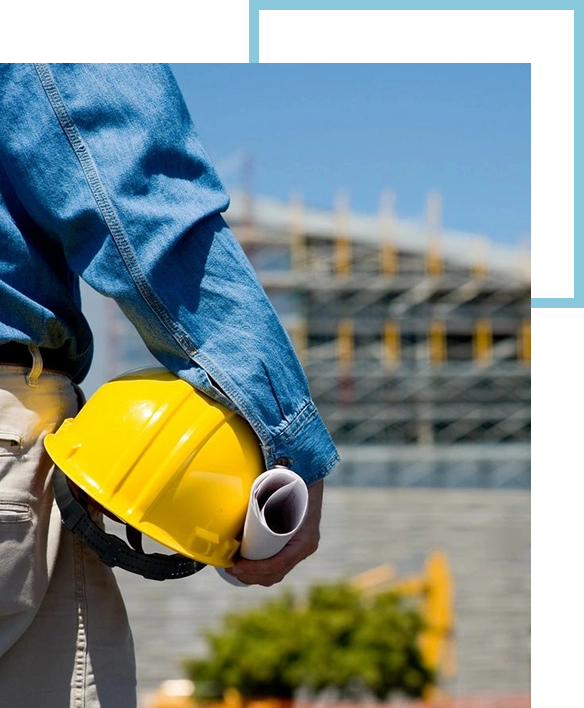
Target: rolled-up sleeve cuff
<point>305,445</point>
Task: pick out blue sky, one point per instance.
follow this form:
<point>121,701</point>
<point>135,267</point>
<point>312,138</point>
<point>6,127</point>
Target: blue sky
<point>462,129</point>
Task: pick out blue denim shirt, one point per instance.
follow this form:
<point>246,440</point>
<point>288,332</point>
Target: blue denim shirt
<point>103,177</point>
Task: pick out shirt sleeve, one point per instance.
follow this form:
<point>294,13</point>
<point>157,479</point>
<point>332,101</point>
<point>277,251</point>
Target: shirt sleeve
<point>121,178</point>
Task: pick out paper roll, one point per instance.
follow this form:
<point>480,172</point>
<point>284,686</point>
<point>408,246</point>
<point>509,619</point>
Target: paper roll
<point>277,507</point>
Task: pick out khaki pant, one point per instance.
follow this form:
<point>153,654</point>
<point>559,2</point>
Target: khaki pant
<point>64,634</point>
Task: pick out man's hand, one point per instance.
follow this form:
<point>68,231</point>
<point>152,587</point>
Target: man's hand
<point>303,544</point>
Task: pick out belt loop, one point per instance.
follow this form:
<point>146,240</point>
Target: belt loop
<point>32,378</point>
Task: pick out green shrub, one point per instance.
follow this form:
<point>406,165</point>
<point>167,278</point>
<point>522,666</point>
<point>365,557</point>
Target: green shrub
<point>334,638</point>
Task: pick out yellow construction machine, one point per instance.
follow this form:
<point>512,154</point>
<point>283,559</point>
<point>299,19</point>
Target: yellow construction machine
<point>435,589</point>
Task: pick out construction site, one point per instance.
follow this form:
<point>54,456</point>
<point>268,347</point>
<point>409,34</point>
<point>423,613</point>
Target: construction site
<point>416,343</point>
<point>415,340</point>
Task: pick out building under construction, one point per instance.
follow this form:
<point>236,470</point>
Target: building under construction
<point>415,340</point>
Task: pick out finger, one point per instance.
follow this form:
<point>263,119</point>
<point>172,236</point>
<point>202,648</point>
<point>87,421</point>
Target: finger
<point>262,580</point>
<point>271,570</point>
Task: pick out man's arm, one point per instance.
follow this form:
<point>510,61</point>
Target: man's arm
<point>135,209</point>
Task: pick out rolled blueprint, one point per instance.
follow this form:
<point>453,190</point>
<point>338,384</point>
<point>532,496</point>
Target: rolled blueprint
<point>277,507</point>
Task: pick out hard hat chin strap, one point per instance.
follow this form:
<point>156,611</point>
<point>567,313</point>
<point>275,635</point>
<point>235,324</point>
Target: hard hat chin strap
<point>111,550</point>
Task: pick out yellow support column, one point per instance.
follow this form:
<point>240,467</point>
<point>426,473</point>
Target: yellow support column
<point>433,259</point>
<point>342,256</point>
<point>479,269</point>
<point>343,259</point>
<point>524,342</point>
<point>391,344</point>
<point>389,262</point>
<point>345,346</point>
<point>387,250</point>
<point>483,342</point>
<point>437,343</point>
<point>433,226</point>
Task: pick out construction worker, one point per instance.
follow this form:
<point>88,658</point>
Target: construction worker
<point>102,177</point>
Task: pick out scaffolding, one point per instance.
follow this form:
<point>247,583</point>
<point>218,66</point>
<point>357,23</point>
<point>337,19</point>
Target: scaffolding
<point>415,340</point>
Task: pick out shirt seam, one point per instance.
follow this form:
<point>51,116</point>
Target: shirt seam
<point>289,428</point>
<point>108,213</point>
<point>266,434</point>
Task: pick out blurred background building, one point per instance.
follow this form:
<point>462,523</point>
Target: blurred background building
<point>416,343</point>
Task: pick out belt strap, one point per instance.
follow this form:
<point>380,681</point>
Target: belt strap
<point>111,550</point>
<point>21,355</point>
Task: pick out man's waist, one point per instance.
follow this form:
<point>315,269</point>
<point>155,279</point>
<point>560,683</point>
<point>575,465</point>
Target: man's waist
<point>19,354</point>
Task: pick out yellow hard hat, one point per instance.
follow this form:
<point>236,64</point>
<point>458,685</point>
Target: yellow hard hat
<point>166,459</point>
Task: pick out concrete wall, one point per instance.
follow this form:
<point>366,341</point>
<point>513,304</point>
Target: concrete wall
<point>485,534</point>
